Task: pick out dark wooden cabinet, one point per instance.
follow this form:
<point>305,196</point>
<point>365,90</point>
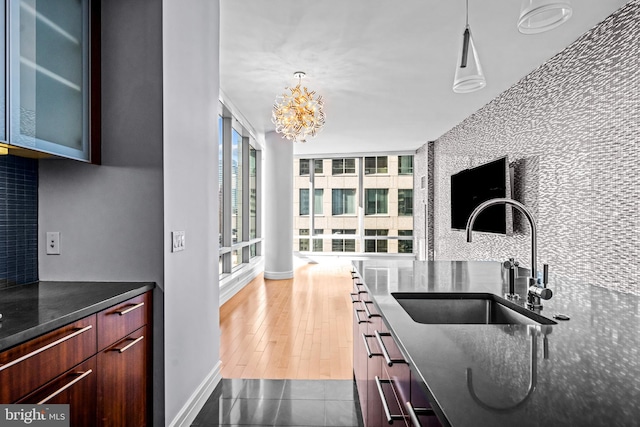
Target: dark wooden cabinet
<point>385,383</point>
<point>122,383</point>
<point>26,367</point>
<point>99,365</point>
<point>124,344</point>
<point>75,387</point>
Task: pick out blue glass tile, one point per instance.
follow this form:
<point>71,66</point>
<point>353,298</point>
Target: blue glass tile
<point>18,220</point>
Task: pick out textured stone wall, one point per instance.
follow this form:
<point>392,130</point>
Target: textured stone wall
<point>571,129</point>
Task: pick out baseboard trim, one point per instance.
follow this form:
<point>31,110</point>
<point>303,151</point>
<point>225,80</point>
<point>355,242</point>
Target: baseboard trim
<point>190,410</point>
<point>280,275</point>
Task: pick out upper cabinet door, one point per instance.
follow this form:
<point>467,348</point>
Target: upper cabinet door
<point>50,74</point>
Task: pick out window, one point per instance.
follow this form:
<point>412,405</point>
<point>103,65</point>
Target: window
<point>343,201</point>
<point>348,201</point>
<point>373,245</point>
<point>239,193</point>
<point>220,198</point>
<point>342,166</point>
<point>236,187</point>
<point>304,243</point>
<point>253,194</point>
<point>376,201</point>
<point>304,166</point>
<point>405,246</point>
<point>375,165</point>
<point>405,165</point>
<point>405,202</point>
<point>343,245</point>
<point>317,201</point>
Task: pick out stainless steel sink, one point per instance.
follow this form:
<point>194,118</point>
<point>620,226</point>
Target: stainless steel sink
<point>466,308</point>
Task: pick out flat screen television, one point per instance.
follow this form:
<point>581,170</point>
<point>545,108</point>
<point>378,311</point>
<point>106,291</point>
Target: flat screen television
<point>473,186</point>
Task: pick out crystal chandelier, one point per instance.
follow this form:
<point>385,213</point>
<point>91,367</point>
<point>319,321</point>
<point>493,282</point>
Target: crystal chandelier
<point>298,115</point>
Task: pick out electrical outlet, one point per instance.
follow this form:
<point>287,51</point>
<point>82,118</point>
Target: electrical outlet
<point>177,241</point>
<point>53,243</point>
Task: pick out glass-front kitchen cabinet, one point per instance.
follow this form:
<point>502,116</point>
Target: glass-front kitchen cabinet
<point>53,77</point>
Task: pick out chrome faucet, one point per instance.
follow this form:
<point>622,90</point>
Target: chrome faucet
<point>535,292</point>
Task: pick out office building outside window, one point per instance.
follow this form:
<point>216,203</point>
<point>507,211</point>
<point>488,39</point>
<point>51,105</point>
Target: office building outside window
<point>376,201</point>
<point>405,246</point>
<point>343,245</point>
<point>373,165</point>
<point>304,166</point>
<point>343,166</point>
<point>317,201</point>
<point>405,202</point>
<point>405,165</point>
<point>343,201</point>
<point>375,245</point>
<point>371,193</point>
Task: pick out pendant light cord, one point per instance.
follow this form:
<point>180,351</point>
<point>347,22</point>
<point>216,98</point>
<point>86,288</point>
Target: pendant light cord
<point>467,15</point>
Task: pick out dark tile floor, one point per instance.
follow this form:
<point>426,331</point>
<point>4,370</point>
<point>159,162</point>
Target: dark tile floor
<point>244,402</point>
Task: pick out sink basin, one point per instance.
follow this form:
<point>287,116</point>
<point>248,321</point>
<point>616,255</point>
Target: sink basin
<point>466,308</point>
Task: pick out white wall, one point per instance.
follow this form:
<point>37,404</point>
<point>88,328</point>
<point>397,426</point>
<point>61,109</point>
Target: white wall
<point>190,98</point>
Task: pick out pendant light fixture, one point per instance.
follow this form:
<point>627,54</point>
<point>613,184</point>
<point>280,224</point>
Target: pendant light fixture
<point>469,77</point>
<point>298,113</point>
<point>537,16</point>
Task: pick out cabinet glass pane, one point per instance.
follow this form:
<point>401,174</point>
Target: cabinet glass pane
<point>49,76</point>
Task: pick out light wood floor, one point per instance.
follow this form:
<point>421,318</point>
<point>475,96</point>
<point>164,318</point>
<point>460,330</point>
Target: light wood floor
<point>295,329</point>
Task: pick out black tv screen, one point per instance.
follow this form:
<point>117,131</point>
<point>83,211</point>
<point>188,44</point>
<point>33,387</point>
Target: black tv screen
<point>471,187</point>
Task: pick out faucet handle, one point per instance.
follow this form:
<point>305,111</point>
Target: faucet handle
<point>542,293</point>
<point>545,274</point>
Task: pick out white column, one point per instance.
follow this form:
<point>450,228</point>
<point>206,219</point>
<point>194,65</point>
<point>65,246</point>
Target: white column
<point>278,207</point>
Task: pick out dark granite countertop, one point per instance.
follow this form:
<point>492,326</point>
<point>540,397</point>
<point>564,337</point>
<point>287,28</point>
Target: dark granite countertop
<point>37,308</point>
<point>590,377</point>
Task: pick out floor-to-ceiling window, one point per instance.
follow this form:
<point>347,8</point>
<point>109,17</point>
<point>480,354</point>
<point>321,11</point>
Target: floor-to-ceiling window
<point>359,204</point>
<point>239,195</point>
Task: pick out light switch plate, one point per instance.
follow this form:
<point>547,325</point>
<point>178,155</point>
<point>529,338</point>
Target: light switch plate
<point>177,241</point>
<point>53,243</point>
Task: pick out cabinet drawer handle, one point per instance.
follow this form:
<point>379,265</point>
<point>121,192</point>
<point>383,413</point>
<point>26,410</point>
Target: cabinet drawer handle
<point>64,387</point>
<point>128,346</point>
<point>355,297</point>
<point>366,346</point>
<point>413,413</point>
<point>385,353</point>
<point>366,310</point>
<point>385,405</point>
<point>355,312</point>
<point>46,347</point>
<point>124,311</point>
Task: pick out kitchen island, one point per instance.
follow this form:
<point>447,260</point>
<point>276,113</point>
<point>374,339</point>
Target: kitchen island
<point>580,372</point>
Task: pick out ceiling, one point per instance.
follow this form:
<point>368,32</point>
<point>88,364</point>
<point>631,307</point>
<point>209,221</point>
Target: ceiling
<point>385,68</point>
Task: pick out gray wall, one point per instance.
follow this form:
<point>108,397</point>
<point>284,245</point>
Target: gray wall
<point>191,86</point>
<point>115,219</point>
<point>110,217</point>
<point>572,129</point>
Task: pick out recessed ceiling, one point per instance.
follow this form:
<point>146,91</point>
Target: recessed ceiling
<point>385,68</point>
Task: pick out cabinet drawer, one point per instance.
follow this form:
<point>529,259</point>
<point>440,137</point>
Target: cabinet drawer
<point>120,320</point>
<point>76,387</point>
<point>122,386</point>
<point>28,366</point>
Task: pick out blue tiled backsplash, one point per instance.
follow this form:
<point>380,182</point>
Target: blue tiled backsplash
<point>18,220</point>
